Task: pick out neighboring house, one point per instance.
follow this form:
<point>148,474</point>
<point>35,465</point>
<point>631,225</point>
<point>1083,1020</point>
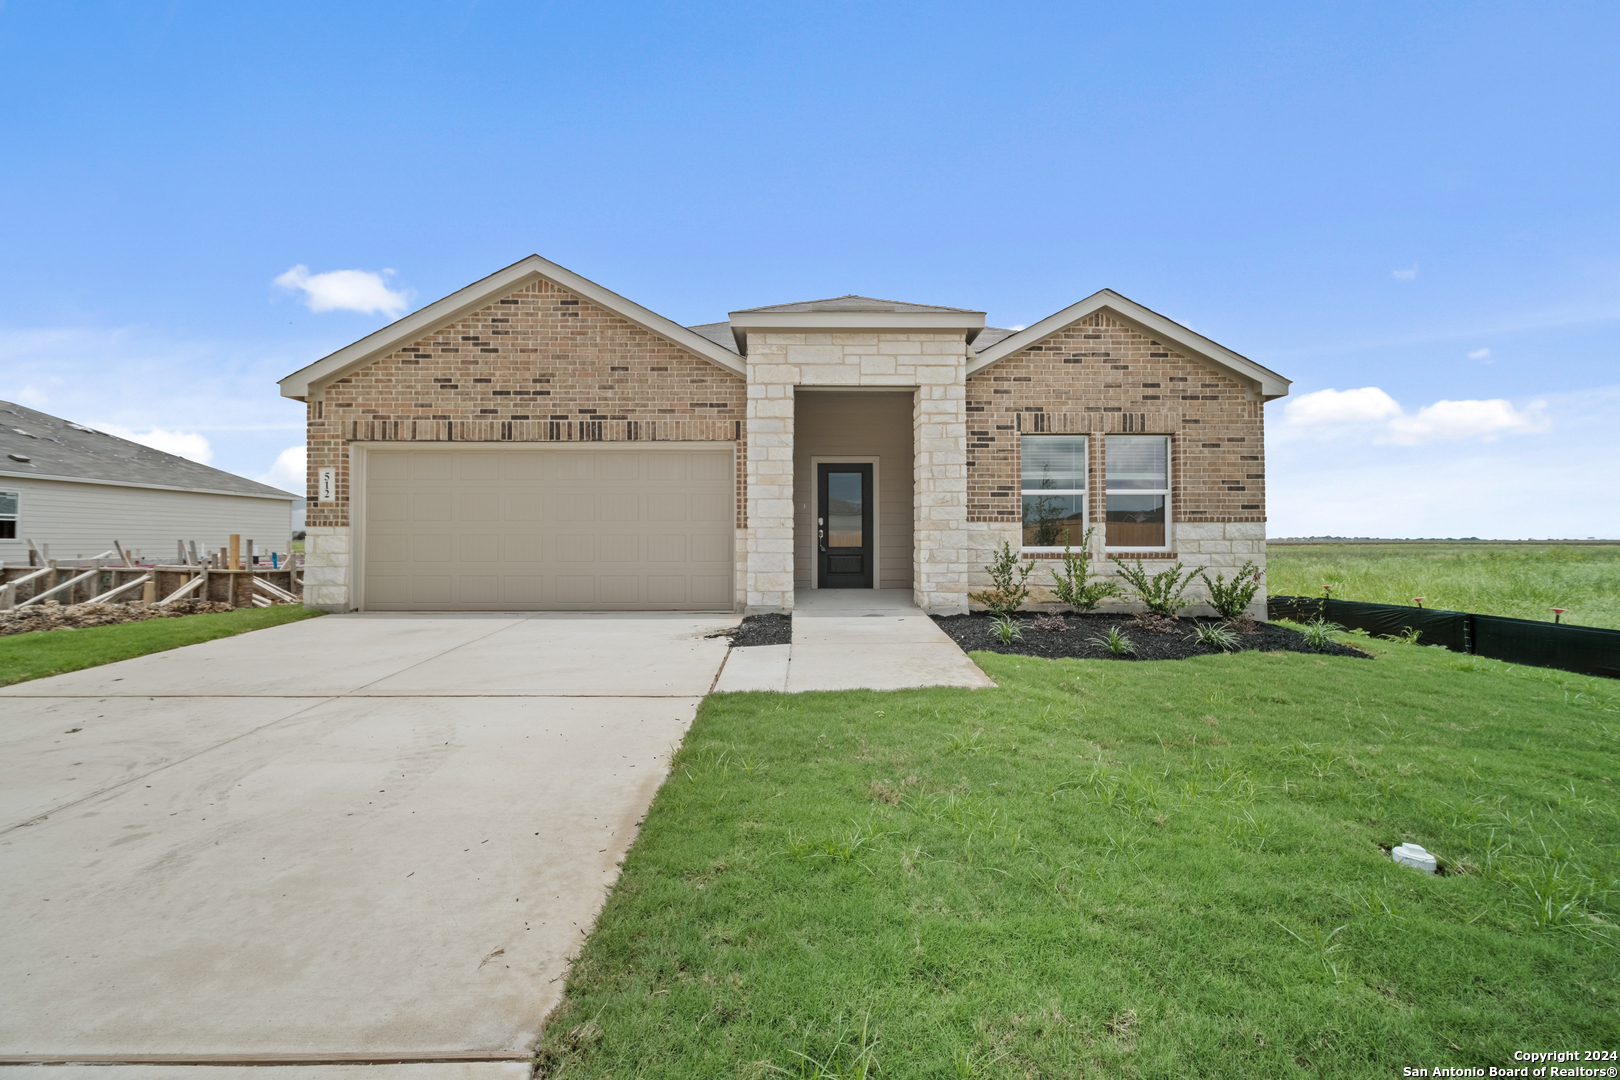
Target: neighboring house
<point>77,490</point>
<point>535,441</point>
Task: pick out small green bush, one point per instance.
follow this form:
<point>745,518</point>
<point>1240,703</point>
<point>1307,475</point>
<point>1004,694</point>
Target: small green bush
<point>1116,643</point>
<point>1164,593</point>
<point>1215,636</point>
<point>1008,582</point>
<point>1320,633</point>
<point>1232,598</point>
<point>1073,584</point>
<point>1006,630</point>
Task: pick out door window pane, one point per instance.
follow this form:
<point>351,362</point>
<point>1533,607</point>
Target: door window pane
<point>844,509</point>
<point>1138,461</point>
<point>1135,520</point>
<point>1054,462</point>
<point>1054,520</point>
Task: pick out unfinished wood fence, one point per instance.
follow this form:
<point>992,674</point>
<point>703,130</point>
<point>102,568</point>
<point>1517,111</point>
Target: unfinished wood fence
<point>231,575</point>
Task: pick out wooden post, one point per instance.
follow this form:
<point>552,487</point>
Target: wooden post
<point>55,578</point>
<point>95,582</point>
<point>250,556</point>
<point>8,596</point>
<point>149,590</point>
<point>236,552</point>
<point>123,554</point>
<point>195,560</point>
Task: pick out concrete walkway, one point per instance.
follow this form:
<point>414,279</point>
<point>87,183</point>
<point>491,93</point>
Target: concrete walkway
<point>850,639</point>
<point>362,838</point>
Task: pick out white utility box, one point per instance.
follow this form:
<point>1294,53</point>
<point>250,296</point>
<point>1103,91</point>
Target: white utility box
<point>1415,857</point>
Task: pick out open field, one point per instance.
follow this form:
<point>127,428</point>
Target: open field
<point>1152,869</point>
<point>1520,581</point>
<point>52,652</point>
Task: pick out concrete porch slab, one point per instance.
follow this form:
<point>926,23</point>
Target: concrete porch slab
<point>758,667</point>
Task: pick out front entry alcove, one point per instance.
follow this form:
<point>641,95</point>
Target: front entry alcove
<point>866,427</point>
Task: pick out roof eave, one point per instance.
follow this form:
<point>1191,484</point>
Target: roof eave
<point>1269,384</point>
<point>299,384</point>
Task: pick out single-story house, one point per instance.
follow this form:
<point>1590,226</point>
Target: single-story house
<point>75,491</point>
<point>535,441</point>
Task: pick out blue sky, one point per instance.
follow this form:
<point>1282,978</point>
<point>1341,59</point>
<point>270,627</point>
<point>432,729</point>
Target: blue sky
<point>1412,201</point>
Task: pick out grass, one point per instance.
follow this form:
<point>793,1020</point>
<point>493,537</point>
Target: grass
<point>1519,581</point>
<point>1159,869</point>
<point>52,652</point>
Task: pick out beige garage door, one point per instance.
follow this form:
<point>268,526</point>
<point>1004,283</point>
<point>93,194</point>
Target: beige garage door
<point>554,530</point>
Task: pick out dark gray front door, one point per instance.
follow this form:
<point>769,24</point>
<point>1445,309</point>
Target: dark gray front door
<point>844,526</point>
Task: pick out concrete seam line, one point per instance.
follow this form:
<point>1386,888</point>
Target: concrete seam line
<point>166,765</point>
<point>720,669</point>
<point>446,652</point>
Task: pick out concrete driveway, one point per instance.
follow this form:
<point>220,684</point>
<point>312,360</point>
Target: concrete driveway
<point>363,838</point>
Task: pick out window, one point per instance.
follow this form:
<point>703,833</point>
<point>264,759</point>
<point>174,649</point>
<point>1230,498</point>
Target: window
<point>1138,491</point>
<point>1054,490</point>
<point>8,515</point>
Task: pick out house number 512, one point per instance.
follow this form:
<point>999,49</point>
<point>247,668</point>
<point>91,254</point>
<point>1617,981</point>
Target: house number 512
<point>327,487</point>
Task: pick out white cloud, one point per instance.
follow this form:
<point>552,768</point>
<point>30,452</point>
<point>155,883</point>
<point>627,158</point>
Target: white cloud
<point>1405,275</point>
<point>1331,408</point>
<point>1479,354</point>
<point>289,471</point>
<point>345,290</point>
<point>32,396</point>
<point>1452,420</point>
<point>186,444</point>
<point>1372,412</point>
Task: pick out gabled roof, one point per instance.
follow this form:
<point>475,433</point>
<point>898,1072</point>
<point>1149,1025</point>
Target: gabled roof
<point>851,302</point>
<point>46,447</point>
<point>481,293</point>
<point>1271,384</point>
<point>717,332</point>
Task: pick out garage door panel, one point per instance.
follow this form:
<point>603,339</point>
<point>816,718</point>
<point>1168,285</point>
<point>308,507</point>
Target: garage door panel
<point>479,547</point>
<point>571,506</point>
<point>478,466</point>
<point>619,506</point>
<point>571,548</point>
<point>480,506</point>
<point>549,529</point>
<point>434,548</point>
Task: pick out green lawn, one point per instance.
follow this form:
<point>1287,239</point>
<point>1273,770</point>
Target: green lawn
<point>1520,581</point>
<point>51,652</point>
<point>1107,868</point>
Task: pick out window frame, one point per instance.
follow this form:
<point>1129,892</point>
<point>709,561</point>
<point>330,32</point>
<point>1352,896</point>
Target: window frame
<point>1082,491</point>
<point>14,519</point>
<point>1169,480</point>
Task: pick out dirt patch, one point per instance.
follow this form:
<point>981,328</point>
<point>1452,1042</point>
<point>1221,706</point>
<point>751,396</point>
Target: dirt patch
<point>763,630</point>
<point>1072,636</point>
<point>49,615</point>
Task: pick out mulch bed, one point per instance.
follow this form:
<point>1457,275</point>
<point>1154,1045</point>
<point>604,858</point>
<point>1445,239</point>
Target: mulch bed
<point>1159,639</point>
<point>49,615</point>
<point>763,630</point>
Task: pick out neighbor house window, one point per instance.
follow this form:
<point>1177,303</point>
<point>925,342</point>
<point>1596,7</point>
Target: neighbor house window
<point>1054,490</point>
<point>8,515</point>
<point>1138,488</point>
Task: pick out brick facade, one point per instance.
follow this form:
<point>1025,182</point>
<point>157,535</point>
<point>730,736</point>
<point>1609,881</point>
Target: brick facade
<point>540,364</point>
<point>1100,376</point>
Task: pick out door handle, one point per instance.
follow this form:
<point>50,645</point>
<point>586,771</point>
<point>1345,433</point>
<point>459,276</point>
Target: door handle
<point>821,533</point>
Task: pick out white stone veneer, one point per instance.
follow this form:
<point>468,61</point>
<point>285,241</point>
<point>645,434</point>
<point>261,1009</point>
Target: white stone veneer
<point>326,568</point>
<point>935,366</point>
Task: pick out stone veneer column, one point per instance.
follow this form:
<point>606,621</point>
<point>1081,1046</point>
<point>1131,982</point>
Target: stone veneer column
<point>768,538</point>
<point>326,568</point>
<point>944,549</point>
<point>934,366</point>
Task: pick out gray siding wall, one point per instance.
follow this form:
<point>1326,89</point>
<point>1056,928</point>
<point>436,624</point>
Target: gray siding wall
<point>84,519</point>
<point>866,424</point>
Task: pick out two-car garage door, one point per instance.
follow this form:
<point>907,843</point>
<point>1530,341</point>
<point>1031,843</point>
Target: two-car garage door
<point>566,529</point>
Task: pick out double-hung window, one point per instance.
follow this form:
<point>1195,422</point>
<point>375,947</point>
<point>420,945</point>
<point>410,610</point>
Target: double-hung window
<point>8,515</point>
<point>1054,490</point>
<point>1138,492</point>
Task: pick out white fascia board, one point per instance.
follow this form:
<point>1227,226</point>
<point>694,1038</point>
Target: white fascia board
<point>477,295</point>
<point>280,496</point>
<point>822,322</point>
<point>1271,384</point>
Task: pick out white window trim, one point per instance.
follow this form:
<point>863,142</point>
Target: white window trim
<point>1169,481</point>
<point>1085,495</point>
<point>17,517</point>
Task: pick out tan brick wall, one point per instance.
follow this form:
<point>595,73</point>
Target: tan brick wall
<point>1103,376</point>
<point>540,364</point>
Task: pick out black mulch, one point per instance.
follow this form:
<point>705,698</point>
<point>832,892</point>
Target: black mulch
<point>763,630</point>
<point>976,631</point>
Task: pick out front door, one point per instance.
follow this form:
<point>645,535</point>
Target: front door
<point>844,526</point>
